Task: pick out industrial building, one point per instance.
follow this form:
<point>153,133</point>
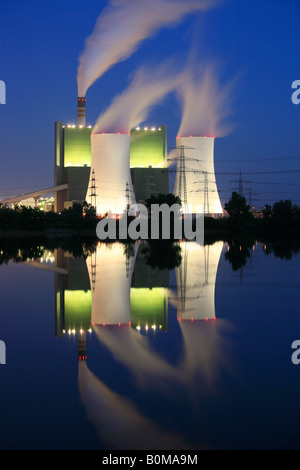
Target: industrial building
<point>148,162</point>
<point>108,170</point>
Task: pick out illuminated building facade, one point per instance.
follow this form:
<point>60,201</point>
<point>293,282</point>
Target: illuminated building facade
<point>72,163</point>
<point>148,162</point>
<point>149,296</point>
<point>73,302</point>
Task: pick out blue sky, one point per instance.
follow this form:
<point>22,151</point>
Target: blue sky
<point>258,41</point>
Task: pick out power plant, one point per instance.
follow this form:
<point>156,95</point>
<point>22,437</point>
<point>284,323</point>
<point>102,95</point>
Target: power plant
<point>108,170</point>
<point>112,171</point>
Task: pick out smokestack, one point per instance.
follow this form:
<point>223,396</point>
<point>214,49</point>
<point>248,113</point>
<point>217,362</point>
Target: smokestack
<point>82,346</point>
<point>81,111</point>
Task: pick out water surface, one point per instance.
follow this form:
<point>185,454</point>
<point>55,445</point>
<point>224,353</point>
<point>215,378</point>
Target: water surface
<point>104,351</point>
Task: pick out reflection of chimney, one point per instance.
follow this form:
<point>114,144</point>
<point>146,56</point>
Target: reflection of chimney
<point>81,111</point>
<point>82,346</point>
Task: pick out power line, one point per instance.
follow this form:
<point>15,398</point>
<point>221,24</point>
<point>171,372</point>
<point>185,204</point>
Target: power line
<point>270,172</point>
<point>258,159</point>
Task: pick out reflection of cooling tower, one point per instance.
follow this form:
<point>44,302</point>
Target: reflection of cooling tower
<point>195,175</point>
<point>110,161</point>
<point>110,271</point>
<point>196,279</point>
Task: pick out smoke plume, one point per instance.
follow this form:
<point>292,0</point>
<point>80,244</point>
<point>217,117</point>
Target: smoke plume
<point>122,26</point>
<point>205,103</point>
<point>133,106</point>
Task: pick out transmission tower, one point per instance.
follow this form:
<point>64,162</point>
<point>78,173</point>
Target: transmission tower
<point>182,192</point>
<point>128,196</point>
<point>240,185</point>
<point>93,194</point>
<point>93,269</point>
<point>250,199</point>
<point>206,198</point>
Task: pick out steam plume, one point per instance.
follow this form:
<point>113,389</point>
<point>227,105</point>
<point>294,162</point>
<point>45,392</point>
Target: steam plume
<point>133,106</point>
<point>120,29</point>
<point>205,104</point>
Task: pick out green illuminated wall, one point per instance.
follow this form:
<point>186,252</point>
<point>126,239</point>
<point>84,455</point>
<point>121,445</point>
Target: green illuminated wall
<point>78,310</point>
<point>148,147</point>
<point>149,307</point>
<point>77,146</point>
<point>149,182</point>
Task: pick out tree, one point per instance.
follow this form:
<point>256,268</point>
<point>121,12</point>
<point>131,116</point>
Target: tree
<point>168,199</point>
<point>267,211</point>
<point>283,210</point>
<point>237,207</point>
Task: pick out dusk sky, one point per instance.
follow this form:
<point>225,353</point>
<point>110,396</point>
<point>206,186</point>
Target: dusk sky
<point>255,42</point>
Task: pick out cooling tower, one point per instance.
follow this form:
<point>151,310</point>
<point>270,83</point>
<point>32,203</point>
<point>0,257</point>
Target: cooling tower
<point>81,105</point>
<point>196,279</point>
<point>195,181</point>
<point>110,164</point>
<point>110,270</point>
